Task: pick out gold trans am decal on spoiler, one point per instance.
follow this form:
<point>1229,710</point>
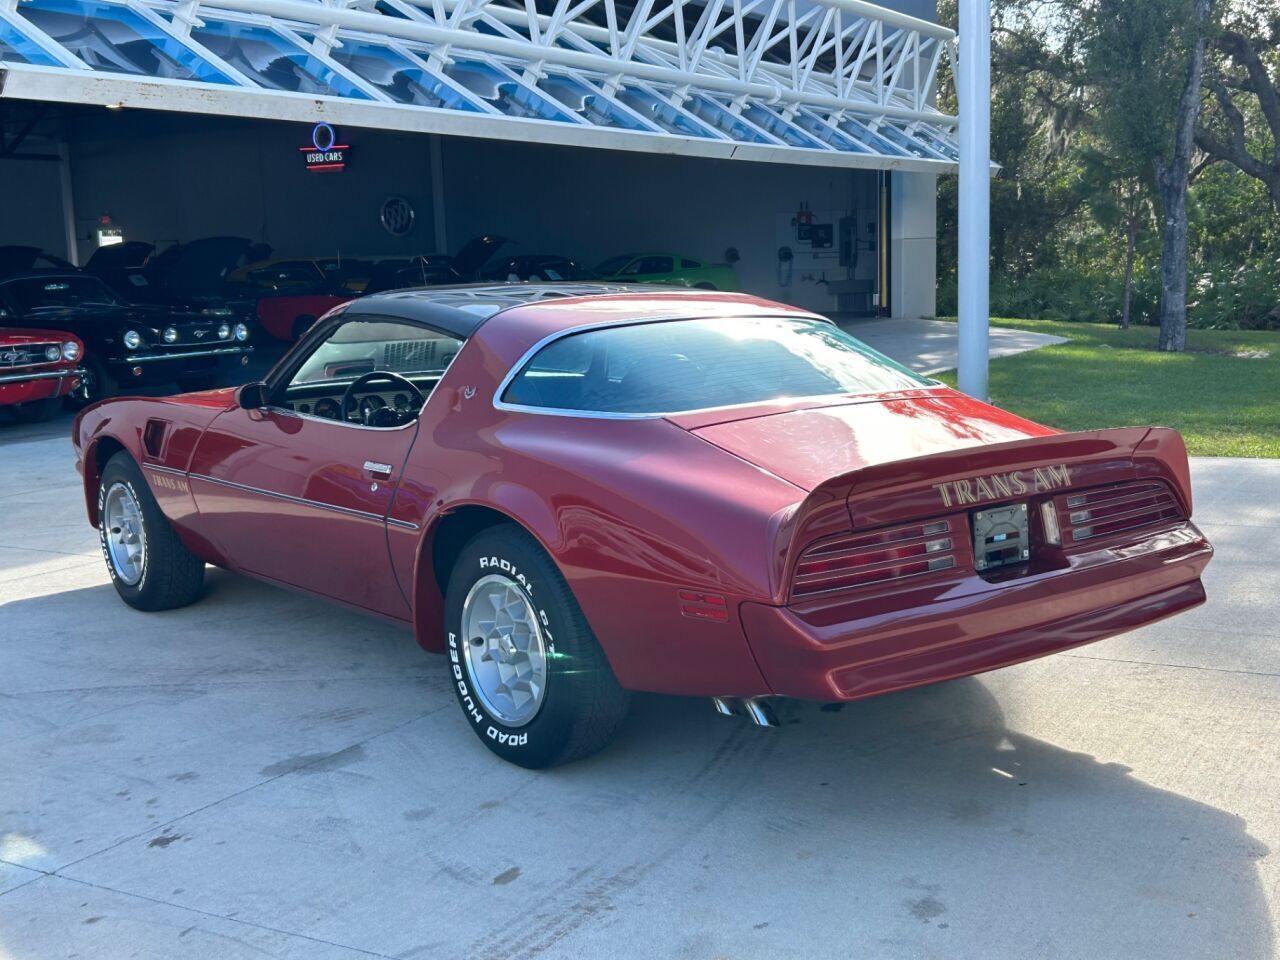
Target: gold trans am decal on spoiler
<point>999,486</point>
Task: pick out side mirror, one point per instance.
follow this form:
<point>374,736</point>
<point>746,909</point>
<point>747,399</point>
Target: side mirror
<point>252,396</point>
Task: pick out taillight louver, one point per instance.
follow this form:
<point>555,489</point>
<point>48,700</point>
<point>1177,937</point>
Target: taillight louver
<point>1092,514</point>
<point>858,560</point>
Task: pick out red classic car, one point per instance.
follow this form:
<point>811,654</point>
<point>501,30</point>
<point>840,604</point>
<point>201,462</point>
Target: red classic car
<point>37,369</point>
<point>577,491</point>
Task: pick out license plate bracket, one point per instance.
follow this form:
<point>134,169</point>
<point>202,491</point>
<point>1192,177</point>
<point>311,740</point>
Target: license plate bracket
<point>1001,536</point>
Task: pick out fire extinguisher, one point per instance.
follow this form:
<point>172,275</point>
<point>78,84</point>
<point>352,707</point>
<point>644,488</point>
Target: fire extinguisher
<point>804,214</point>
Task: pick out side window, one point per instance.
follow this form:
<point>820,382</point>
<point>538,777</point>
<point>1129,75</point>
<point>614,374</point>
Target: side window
<point>687,264</point>
<point>656,265</point>
<point>371,371</point>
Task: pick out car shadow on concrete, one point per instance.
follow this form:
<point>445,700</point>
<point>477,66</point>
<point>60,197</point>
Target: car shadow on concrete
<point>891,821</point>
<point>930,793</point>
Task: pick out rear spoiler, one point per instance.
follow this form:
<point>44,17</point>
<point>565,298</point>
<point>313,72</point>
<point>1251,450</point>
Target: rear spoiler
<point>959,480</point>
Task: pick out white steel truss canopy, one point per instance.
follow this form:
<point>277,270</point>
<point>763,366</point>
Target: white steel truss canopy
<point>828,82</point>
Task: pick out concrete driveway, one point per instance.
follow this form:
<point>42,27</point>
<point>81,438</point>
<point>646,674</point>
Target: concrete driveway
<point>266,775</point>
<point>931,346</point>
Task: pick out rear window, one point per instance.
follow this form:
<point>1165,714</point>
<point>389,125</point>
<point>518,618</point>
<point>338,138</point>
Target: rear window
<point>675,366</point>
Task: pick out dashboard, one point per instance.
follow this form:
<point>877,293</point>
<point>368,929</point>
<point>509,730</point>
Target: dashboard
<point>367,407</point>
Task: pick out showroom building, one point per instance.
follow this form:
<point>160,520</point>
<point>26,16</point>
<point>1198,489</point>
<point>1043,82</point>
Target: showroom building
<point>798,139</point>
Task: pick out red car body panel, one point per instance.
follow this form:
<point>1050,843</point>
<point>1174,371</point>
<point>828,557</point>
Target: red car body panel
<point>279,315</point>
<point>25,383</point>
<point>685,539</point>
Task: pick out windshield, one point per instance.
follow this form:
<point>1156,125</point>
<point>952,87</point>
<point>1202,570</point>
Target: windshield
<point>34,293</point>
<point>676,366</point>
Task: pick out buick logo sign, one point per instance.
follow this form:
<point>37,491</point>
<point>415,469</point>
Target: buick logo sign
<point>397,216</point>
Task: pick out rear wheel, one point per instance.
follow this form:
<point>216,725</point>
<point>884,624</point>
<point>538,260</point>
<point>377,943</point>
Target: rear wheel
<point>528,672</point>
<point>36,411</point>
<point>148,564</point>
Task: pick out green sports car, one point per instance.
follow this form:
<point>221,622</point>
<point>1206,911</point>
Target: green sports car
<point>668,268</point>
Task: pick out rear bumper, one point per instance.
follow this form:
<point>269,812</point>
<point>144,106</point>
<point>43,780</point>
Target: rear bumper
<point>1103,594</point>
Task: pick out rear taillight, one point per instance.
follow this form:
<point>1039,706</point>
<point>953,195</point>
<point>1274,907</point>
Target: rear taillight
<point>856,560</point>
<point>1093,514</point>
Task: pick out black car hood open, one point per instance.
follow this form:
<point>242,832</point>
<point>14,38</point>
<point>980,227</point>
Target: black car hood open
<point>199,268</point>
<point>475,253</point>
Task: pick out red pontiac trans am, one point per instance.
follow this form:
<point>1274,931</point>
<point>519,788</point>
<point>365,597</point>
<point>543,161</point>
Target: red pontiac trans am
<point>577,491</point>
<point>38,368</point>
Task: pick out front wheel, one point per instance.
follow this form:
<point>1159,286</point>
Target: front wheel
<point>95,384</point>
<point>530,676</point>
<point>149,565</point>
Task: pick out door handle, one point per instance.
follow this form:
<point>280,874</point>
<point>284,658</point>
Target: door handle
<point>381,471</point>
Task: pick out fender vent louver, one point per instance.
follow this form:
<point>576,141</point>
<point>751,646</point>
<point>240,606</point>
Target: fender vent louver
<point>153,435</point>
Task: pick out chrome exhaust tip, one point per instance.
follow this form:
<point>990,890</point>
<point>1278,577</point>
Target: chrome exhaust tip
<point>760,712</point>
<point>725,706</point>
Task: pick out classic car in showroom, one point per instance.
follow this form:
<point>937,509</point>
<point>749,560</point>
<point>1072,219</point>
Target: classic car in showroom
<point>668,268</point>
<point>38,368</point>
<point>548,267</point>
<point>576,491</point>
<point>125,343</point>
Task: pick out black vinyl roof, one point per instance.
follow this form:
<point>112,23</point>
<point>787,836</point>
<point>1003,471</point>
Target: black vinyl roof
<point>459,310</point>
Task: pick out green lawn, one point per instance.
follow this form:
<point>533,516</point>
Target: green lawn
<point>1223,404</point>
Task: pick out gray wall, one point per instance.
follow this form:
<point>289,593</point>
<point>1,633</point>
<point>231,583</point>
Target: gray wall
<point>913,242</point>
<point>172,177</point>
<point>591,204</point>
<point>31,203</point>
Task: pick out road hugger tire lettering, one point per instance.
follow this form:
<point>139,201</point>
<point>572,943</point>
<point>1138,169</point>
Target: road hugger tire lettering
<point>165,574</point>
<point>533,683</point>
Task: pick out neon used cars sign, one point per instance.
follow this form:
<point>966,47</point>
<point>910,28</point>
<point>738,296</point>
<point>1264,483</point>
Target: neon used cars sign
<point>324,154</point>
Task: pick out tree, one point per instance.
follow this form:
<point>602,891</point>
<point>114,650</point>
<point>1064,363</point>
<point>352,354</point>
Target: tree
<point>1173,174</point>
<point>1242,79</point>
<point>1145,63</point>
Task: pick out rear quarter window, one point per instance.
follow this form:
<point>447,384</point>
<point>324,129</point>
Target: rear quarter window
<point>676,366</point>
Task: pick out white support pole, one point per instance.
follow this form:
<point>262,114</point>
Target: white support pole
<point>973,87</point>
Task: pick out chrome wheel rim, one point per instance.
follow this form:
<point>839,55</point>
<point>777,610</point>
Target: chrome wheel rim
<point>505,655</point>
<point>123,534</point>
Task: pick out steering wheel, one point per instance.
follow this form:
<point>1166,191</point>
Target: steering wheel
<point>373,377</point>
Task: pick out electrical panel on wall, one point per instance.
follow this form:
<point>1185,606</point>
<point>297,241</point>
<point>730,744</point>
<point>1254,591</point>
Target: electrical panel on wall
<point>811,255</point>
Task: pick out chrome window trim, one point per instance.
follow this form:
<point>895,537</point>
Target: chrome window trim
<point>301,501</point>
<point>286,412</point>
<point>519,365</point>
